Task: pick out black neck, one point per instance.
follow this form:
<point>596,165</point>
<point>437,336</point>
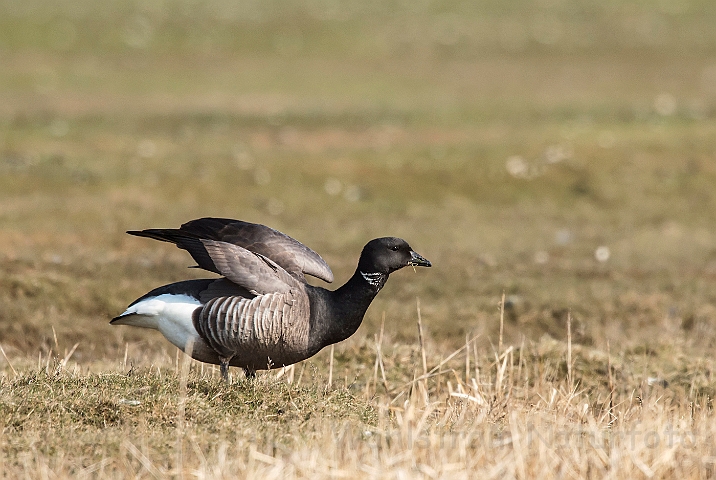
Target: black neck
<point>346,306</point>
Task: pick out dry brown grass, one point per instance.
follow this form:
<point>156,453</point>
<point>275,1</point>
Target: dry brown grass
<point>510,415</point>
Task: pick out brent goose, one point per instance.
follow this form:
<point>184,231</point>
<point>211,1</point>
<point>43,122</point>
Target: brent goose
<point>261,313</point>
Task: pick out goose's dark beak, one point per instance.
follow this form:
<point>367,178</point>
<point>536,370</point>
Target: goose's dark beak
<point>417,260</point>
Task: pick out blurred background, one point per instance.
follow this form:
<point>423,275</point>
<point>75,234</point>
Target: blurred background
<point>562,152</point>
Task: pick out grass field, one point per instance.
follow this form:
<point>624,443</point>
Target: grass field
<point>561,153</point>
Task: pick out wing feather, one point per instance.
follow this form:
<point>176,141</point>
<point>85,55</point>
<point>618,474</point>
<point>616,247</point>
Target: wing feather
<point>258,274</point>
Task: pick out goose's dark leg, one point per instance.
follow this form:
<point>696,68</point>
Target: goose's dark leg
<point>250,373</point>
<point>225,367</point>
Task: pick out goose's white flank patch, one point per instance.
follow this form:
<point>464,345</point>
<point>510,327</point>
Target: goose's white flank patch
<point>170,314</point>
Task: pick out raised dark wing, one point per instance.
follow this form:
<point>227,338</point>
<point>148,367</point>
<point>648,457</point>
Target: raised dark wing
<point>290,254</point>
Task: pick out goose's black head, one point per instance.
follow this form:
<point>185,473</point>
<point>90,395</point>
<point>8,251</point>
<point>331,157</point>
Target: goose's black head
<point>388,254</point>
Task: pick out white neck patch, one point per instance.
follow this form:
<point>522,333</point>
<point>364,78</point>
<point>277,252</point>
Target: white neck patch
<point>376,279</point>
